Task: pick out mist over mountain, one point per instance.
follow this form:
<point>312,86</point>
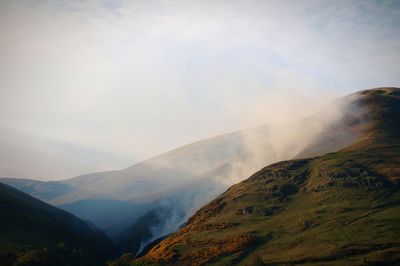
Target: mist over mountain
<point>184,179</point>
<point>148,201</point>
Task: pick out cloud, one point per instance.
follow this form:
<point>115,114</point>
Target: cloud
<point>140,77</point>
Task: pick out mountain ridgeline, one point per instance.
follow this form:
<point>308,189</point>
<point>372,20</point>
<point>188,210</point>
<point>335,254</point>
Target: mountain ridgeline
<point>341,208</point>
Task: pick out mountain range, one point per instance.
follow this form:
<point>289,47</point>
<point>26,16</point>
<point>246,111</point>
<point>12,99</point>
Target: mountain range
<point>335,161</point>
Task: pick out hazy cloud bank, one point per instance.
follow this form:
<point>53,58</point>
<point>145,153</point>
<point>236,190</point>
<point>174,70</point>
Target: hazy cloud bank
<point>136,78</point>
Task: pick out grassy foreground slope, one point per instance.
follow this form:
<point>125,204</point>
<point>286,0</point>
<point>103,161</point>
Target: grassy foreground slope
<point>339,208</point>
<point>35,233</point>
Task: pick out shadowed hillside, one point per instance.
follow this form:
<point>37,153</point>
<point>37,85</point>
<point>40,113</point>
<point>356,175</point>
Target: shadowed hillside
<point>339,208</point>
<point>35,233</point>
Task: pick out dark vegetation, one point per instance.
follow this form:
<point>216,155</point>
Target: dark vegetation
<point>35,233</point>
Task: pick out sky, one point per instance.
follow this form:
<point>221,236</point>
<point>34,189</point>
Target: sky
<point>137,78</point>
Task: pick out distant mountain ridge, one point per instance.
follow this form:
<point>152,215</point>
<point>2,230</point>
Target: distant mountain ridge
<point>26,155</point>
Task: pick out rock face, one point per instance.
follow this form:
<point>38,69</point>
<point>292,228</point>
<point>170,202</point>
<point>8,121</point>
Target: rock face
<point>338,208</point>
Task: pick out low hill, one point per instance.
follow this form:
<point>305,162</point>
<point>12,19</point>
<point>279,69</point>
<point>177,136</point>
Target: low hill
<point>341,208</point>
<point>35,233</point>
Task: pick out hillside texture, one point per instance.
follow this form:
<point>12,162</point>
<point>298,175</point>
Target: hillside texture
<point>339,208</point>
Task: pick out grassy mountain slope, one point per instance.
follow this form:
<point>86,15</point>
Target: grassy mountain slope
<point>35,232</point>
<point>339,208</point>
